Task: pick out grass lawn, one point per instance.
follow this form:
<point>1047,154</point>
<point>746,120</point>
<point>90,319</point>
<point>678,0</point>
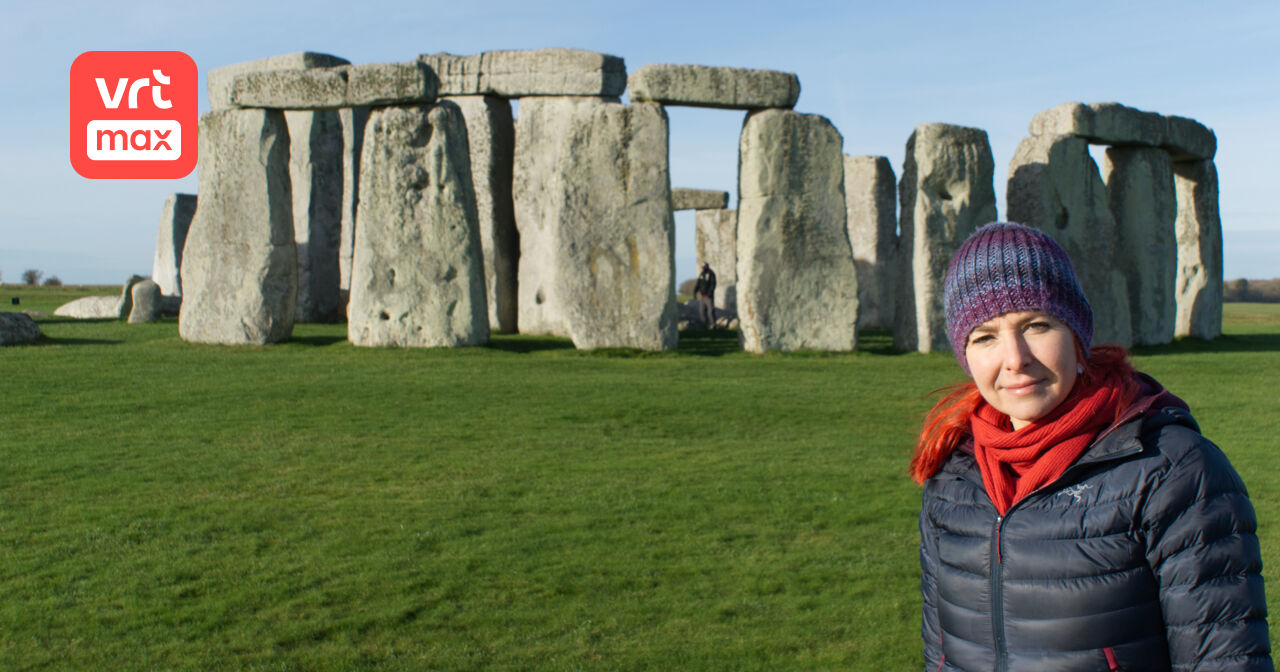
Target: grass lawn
<point>523,506</point>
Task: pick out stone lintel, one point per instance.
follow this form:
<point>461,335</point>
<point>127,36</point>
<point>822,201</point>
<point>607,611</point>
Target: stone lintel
<point>532,72</point>
<point>333,88</point>
<point>699,199</point>
<point>719,87</point>
<point>1115,124</point>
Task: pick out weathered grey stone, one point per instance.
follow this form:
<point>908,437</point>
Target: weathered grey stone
<point>126,296</point>
<point>707,86</point>
<point>717,245</point>
<point>145,297</point>
<point>1140,193</point>
<point>332,88</point>
<point>240,266</point>
<point>537,72</point>
<point>491,136</point>
<point>601,227</point>
<point>871,197</point>
<point>353,123</point>
<point>1054,186</point>
<point>945,193</point>
<point>417,273</point>
<point>90,308</point>
<point>543,130</point>
<point>220,79</point>
<point>797,285</point>
<point>317,182</point>
<point>18,328</point>
<point>175,221</point>
<point>1199,232</point>
<point>1116,124</point>
<point>699,199</point>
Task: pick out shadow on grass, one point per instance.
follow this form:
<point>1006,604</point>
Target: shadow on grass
<point>50,341</point>
<point>708,342</point>
<point>318,340</point>
<point>522,343</point>
<point>1226,343</point>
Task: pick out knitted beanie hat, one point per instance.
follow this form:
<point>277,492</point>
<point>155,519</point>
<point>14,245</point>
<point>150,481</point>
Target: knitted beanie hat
<point>1006,267</point>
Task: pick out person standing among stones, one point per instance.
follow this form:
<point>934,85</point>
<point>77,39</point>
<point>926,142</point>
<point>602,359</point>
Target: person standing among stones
<point>1073,516</point>
<point>705,290</point>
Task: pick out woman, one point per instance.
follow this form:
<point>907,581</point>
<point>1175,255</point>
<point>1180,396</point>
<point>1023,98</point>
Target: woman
<point>1073,516</point>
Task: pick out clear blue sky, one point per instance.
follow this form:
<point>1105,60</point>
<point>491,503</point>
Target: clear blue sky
<point>876,69</point>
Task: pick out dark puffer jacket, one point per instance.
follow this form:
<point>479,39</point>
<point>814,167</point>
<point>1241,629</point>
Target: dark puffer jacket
<point>1142,556</point>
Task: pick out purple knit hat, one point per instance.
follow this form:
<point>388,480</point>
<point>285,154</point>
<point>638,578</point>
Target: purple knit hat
<point>1006,267</point>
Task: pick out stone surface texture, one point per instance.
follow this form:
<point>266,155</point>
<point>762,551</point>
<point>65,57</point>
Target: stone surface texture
<point>871,199</point>
<point>417,272</point>
<point>1054,185</point>
<point>1199,233</point>
<point>1140,192</point>
<point>1116,124</point>
<point>220,79</point>
<point>240,266</point>
<point>708,86</point>
<point>175,221</point>
<point>491,136</point>
<point>146,301</point>
<point>598,205</point>
<point>366,84</point>
<point>90,308</point>
<point>536,72</point>
<point>353,123</point>
<point>945,194</point>
<point>18,328</point>
<point>717,245</point>
<point>317,182</point>
<point>797,285</point>
<point>699,199</point>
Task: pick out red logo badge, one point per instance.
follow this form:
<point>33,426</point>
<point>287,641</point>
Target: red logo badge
<point>134,114</point>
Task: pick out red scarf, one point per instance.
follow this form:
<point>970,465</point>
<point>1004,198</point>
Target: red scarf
<point>1016,463</point>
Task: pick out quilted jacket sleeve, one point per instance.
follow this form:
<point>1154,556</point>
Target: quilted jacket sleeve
<point>929,629</point>
<point>1202,546</point>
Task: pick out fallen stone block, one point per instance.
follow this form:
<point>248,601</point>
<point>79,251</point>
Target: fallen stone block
<point>1140,193</point>
<point>797,285</point>
<point>175,221</point>
<point>945,194</point>
<point>90,308</point>
<point>18,328</point>
<point>146,299</point>
<point>1054,185</point>
<point>240,266</point>
<point>1116,124</point>
<point>417,271</point>
<point>536,72</point>
<point>707,86</point>
<point>871,198</point>
<point>1198,287</point>
<point>491,137</point>
<point>333,88</point>
<point>717,246</point>
<point>220,79</point>
<point>699,199</point>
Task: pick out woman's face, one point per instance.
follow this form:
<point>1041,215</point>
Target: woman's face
<point>1023,363</point>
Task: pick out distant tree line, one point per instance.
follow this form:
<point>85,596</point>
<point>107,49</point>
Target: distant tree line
<point>1252,291</point>
<point>32,276</point>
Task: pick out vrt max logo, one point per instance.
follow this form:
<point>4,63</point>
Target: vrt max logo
<point>134,114</point>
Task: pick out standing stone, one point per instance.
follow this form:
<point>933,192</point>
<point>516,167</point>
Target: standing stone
<point>353,123</point>
<point>1140,193</point>
<point>146,302</point>
<point>946,193</point>
<point>175,221</point>
<point>316,164</point>
<point>18,328</point>
<point>1199,232</point>
<point>797,285</point>
<point>604,232</point>
<point>491,135</point>
<point>126,297</point>
<point>717,245</point>
<point>538,187</point>
<point>240,265</point>
<point>1054,186</point>
<point>870,192</point>
<point>417,272</point>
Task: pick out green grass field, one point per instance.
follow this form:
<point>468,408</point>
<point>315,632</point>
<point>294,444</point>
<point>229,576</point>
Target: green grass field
<point>524,506</point>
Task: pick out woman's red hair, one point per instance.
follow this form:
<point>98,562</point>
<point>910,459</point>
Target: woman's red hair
<point>947,424</point>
